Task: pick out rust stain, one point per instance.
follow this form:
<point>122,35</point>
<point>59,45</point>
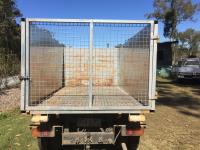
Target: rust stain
<point>103,68</point>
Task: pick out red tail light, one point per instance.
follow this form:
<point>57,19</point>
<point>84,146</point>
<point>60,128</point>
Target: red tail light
<point>135,132</point>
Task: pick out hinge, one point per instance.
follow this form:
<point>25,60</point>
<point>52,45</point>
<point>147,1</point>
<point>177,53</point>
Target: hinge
<point>156,38</point>
<point>24,78</point>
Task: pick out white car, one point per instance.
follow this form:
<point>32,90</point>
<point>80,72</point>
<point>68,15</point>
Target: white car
<point>188,68</point>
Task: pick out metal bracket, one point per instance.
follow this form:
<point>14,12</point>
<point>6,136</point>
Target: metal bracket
<point>156,38</point>
<point>87,138</point>
<point>24,78</point>
<point>37,119</point>
<point>136,118</point>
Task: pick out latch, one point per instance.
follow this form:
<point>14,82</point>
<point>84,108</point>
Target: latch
<point>156,38</point>
<point>24,78</point>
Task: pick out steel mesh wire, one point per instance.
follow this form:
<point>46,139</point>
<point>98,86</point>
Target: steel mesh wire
<point>60,64</point>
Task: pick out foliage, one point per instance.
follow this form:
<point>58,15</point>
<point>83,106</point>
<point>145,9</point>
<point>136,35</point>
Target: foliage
<point>189,41</point>
<point>9,29</point>
<point>172,13</point>
<point>9,64</point>
<point>9,39</point>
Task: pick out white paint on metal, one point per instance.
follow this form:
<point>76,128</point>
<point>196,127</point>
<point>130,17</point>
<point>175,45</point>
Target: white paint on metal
<point>23,65</point>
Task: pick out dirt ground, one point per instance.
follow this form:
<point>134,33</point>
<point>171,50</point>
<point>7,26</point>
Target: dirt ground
<point>175,124</point>
<point>9,99</point>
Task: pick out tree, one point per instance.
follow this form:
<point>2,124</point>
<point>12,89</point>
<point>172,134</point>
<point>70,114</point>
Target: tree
<point>173,12</point>
<point>190,41</point>
<point>9,39</point>
<point>9,29</point>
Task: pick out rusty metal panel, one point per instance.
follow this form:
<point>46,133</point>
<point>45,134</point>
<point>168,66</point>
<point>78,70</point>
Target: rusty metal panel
<point>76,67</point>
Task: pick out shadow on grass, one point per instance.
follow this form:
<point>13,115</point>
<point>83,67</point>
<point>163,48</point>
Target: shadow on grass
<point>181,96</point>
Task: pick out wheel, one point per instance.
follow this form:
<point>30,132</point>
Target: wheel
<point>132,142</point>
<point>50,143</point>
<point>42,143</point>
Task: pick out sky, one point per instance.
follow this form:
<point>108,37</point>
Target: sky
<point>95,9</point>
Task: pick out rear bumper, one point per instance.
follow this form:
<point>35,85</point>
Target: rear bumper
<point>76,130</point>
<point>91,138</point>
<point>187,75</point>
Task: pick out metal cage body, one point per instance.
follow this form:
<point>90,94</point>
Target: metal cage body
<point>88,66</point>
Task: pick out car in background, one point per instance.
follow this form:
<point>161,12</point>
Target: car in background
<point>187,68</point>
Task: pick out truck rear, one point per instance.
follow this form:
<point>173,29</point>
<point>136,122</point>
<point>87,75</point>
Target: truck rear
<point>88,82</point>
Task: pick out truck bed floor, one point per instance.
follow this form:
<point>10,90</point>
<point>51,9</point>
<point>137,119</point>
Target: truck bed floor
<point>102,96</point>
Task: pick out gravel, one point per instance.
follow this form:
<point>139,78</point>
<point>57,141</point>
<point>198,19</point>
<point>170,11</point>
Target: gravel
<point>9,99</point>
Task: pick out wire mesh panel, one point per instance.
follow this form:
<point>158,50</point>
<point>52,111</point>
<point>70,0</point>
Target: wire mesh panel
<point>121,63</point>
<point>90,65</point>
<point>59,63</point>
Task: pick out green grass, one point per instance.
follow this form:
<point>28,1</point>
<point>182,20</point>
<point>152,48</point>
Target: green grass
<point>15,133</point>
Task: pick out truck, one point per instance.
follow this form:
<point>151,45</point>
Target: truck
<point>88,82</point>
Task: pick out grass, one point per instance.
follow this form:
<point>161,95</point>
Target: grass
<point>15,133</point>
<point>175,125</point>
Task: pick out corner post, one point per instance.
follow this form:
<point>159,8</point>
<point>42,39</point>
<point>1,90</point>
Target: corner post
<point>23,64</point>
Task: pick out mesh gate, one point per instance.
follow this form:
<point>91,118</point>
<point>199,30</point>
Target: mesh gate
<point>59,62</point>
<point>120,64</point>
<point>89,64</point>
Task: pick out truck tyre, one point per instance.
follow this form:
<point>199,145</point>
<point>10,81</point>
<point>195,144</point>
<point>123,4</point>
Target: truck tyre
<point>132,142</point>
<point>49,144</point>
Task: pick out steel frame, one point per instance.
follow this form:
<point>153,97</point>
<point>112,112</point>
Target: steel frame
<point>74,110</point>
<point>88,20</point>
<point>23,65</point>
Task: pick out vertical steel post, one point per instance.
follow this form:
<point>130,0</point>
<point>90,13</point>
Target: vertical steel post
<point>155,32</point>
<point>151,60</point>
<point>23,64</point>
<point>154,58</point>
<point>27,61</point>
<point>90,63</point>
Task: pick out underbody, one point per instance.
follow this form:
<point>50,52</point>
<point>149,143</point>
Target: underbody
<point>88,130</point>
